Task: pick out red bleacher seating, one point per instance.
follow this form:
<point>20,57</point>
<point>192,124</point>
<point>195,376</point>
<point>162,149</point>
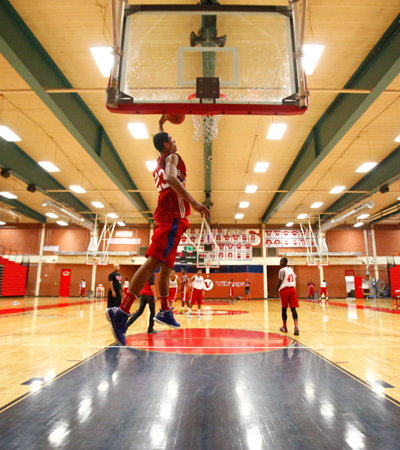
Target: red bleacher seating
<point>13,282</point>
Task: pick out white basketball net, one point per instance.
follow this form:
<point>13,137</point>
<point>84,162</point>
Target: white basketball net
<point>205,128</point>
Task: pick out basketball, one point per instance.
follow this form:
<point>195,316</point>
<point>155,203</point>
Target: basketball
<point>176,119</point>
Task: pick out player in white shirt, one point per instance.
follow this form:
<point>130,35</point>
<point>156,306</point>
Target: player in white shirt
<point>286,287</point>
<point>197,283</point>
<point>174,284</point>
<point>324,292</point>
<point>82,288</point>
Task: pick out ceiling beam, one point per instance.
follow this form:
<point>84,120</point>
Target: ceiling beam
<point>390,211</point>
<point>23,209</point>
<point>28,170</point>
<point>28,57</point>
<point>378,70</point>
<point>386,172</point>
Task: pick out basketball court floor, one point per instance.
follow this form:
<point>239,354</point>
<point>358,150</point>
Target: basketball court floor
<point>230,380</point>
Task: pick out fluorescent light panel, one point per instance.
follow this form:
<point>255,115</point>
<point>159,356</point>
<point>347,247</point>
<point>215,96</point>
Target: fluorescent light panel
<point>337,189</point>
<point>77,189</point>
<point>120,223</point>
<point>52,215</point>
<point>244,204</point>
<point>317,204</point>
<point>112,216</point>
<point>250,189</point>
<point>366,167</point>
<point>61,222</point>
<point>312,53</point>
<point>276,131</point>
<point>104,59</point>
<point>8,135</point>
<point>290,224</point>
<point>138,130</point>
<point>363,216</point>
<point>151,165</point>
<point>261,167</point>
<point>397,139</point>
<point>8,195</point>
<point>98,204</point>
<point>358,224</point>
<point>50,167</point>
<point>302,216</point>
<point>2,223</point>
<point>239,216</point>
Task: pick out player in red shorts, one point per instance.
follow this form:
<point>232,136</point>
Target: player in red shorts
<point>197,282</point>
<point>174,203</point>
<point>184,291</point>
<point>231,290</point>
<point>311,290</point>
<point>286,287</point>
<point>324,286</point>
<point>82,288</point>
<point>174,285</point>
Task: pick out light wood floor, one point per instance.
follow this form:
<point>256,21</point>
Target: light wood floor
<point>46,342</point>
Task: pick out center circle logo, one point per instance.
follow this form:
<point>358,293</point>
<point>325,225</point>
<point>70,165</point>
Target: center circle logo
<point>65,273</point>
<point>208,284</point>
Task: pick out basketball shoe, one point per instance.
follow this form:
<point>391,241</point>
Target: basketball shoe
<point>296,331</point>
<point>117,319</point>
<point>167,318</point>
<point>284,329</point>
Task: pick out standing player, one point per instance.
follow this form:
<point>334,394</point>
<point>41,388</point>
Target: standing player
<point>311,290</point>
<point>231,291</point>
<point>247,290</point>
<point>323,292</point>
<point>173,207</point>
<point>286,287</point>
<point>197,282</point>
<point>174,285</point>
<point>184,291</point>
<point>82,288</point>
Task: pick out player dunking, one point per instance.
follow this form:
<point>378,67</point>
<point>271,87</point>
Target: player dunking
<point>286,286</point>
<point>184,291</point>
<point>173,207</point>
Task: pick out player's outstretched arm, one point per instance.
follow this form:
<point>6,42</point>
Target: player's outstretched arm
<point>161,122</point>
<point>171,164</point>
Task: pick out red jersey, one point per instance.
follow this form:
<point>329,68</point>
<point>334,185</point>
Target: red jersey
<point>170,204</point>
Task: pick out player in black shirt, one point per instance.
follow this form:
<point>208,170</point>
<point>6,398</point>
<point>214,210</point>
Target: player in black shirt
<point>115,292</point>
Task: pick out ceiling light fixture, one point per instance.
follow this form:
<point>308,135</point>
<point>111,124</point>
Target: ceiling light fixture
<point>397,139</point>
<point>276,130</point>
<point>77,189</point>
<point>8,135</point>
<point>8,195</point>
<point>290,224</point>
<point>317,204</point>
<point>50,167</point>
<point>363,216</point>
<point>366,167</point>
<point>104,59</point>
<point>112,216</point>
<point>312,53</point>
<point>151,165</point>
<point>138,130</point>
<point>62,223</point>
<point>358,224</point>
<point>98,204</point>
<point>2,223</point>
<point>244,204</point>
<point>261,167</point>
<point>52,215</point>
<point>337,189</point>
<point>302,216</point>
<point>250,189</point>
<point>239,216</point>
<point>120,223</point>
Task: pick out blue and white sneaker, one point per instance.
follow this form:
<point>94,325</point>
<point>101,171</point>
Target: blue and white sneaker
<point>167,318</point>
<point>117,319</point>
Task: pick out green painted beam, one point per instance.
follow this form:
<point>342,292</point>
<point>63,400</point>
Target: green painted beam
<point>377,71</point>
<point>386,172</point>
<point>28,170</point>
<point>28,57</point>
<point>23,209</point>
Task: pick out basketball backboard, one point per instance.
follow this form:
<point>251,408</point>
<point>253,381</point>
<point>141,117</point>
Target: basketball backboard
<point>170,52</point>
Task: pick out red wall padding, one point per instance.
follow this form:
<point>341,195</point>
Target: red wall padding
<point>14,278</point>
<point>394,279</point>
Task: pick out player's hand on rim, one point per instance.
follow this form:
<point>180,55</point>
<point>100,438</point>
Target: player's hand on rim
<point>201,208</point>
